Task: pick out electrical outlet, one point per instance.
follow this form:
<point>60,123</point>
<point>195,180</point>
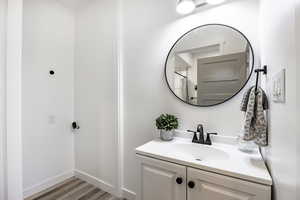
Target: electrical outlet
<point>278,87</point>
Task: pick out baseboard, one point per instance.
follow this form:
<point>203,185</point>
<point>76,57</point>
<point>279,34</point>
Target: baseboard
<point>128,195</point>
<point>95,181</point>
<point>50,182</point>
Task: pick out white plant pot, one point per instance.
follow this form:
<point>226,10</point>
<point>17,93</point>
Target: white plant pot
<point>166,135</point>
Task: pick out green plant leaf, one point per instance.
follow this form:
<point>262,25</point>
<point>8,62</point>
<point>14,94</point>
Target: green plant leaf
<point>167,122</point>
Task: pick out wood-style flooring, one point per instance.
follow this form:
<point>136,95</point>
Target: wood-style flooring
<point>73,189</point>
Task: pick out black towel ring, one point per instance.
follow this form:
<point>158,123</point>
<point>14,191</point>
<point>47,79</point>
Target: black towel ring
<point>257,71</point>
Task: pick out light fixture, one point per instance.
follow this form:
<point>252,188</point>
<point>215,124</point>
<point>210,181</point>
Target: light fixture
<point>215,2</point>
<point>185,6</point>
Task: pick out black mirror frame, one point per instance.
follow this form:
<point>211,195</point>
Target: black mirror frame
<point>252,68</point>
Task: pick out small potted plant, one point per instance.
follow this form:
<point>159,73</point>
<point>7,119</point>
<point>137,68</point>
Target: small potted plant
<point>167,124</point>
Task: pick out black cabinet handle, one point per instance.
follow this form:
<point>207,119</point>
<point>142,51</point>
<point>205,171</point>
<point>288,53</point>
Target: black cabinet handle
<point>179,180</point>
<point>191,184</point>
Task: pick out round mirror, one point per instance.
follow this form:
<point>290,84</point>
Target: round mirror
<point>209,65</point>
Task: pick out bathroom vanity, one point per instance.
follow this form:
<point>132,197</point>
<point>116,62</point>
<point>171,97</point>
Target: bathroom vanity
<point>182,170</point>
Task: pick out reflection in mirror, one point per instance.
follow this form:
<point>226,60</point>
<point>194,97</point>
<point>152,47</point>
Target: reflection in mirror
<point>209,65</point>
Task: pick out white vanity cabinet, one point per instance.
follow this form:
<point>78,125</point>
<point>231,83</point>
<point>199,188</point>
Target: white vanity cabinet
<point>158,180</point>
<point>162,180</point>
<point>211,186</point>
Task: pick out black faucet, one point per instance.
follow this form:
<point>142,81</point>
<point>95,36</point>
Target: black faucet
<point>201,140</point>
<point>201,134</point>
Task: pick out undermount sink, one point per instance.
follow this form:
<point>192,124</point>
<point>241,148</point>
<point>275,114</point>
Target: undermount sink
<point>190,152</point>
<point>199,152</point>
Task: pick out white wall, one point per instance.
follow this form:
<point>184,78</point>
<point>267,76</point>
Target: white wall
<point>3,7</point>
<point>96,92</point>
<point>47,101</point>
<point>150,29</point>
<point>13,99</point>
<point>278,52</point>
<point>298,88</point>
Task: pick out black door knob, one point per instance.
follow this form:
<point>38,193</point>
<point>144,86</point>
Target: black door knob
<point>179,180</point>
<point>75,125</point>
<point>191,184</point>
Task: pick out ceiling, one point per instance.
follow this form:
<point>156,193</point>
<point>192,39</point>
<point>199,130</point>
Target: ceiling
<point>73,4</point>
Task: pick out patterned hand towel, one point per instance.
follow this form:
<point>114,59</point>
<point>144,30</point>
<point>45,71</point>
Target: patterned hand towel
<point>245,100</point>
<point>255,126</point>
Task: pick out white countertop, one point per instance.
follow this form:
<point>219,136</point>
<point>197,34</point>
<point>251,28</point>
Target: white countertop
<point>219,158</point>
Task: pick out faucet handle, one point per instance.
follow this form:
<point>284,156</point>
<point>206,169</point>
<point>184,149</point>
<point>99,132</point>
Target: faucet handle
<point>212,133</point>
<point>208,140</point>
<point>195,137</point>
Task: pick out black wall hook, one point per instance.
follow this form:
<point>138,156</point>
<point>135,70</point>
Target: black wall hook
<point>264,70</point>
<point>257,71</point>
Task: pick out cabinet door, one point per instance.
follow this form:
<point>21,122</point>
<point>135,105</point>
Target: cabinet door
<point>158,180</point>
<point>210,186</point>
